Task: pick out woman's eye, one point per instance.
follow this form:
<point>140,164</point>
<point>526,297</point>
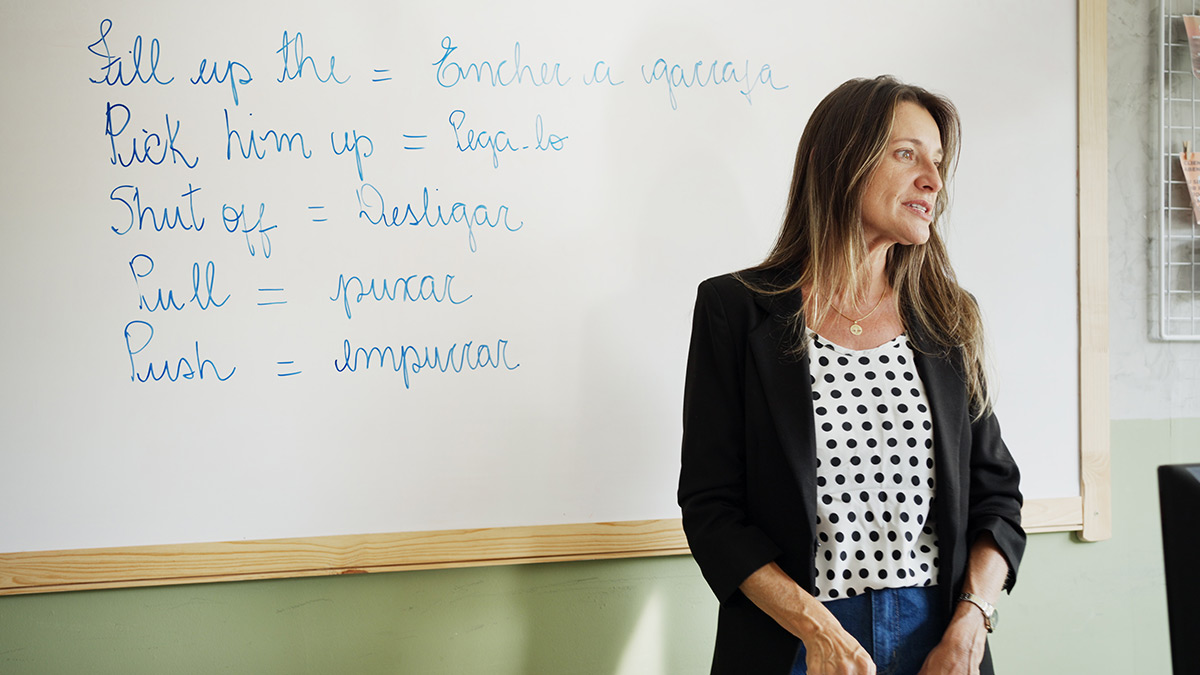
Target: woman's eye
<point>904,154</point>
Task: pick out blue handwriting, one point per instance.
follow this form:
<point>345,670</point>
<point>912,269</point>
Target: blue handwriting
<point>253,149</point>
<point>236,221</point>
<point>348,145</point>
<point>499,141</point>
<point>293,57</point>
<point>220,78</point>
<point>410,360</point>
<point>269,303</point>
<point>139,215</point>
<point>152,143</point>
<point>413,288</point>
<point>702,74</point>
<point>599,75</point>
<point>141,265</point>
<point>373,208</point>
<point>450,73</point>
<point>185,368</point>
<point>112,64</point>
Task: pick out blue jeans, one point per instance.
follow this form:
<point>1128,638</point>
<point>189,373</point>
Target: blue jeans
<point>897,626</point>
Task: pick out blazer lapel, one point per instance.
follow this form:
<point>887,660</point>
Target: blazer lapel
<point>788,390</point>
<point>947,400</point>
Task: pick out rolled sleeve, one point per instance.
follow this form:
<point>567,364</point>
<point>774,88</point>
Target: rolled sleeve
<point>995,501</point>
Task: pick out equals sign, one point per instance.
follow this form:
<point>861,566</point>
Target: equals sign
<point>287,368</point>
<point>411,137</point>
<point>381,75</point>
<point>268,301</point>
<point>318,214</point>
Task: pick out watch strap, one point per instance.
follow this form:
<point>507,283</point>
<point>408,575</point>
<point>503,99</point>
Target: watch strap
<point>990,615</point>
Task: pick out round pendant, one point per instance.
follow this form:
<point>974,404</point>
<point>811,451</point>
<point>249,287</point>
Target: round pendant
<point>856,329</point>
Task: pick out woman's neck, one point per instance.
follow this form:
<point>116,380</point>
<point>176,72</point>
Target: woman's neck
<point>857,318</point>
<point>873,287</point>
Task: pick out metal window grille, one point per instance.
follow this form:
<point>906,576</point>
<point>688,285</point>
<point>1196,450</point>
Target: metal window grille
<point>1179,234</point>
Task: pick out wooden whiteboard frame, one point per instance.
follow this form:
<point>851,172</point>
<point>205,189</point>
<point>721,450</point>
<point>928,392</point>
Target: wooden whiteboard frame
<point>1089,514</point>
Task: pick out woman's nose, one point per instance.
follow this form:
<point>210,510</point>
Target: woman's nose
<point>929,178</point>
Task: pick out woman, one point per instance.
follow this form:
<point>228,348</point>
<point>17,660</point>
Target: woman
<point>844,486</point>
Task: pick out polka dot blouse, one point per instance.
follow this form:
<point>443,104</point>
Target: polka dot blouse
<point>875,477</point>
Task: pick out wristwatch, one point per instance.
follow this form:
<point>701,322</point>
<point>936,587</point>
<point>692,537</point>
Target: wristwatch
<point>991,617</point>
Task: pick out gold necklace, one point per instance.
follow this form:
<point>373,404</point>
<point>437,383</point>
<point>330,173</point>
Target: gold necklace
<point>856,329</point>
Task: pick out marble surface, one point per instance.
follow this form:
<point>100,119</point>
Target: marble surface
<point>1150,378</point>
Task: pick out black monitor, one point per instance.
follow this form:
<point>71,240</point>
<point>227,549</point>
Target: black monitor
<point>1179,503</point>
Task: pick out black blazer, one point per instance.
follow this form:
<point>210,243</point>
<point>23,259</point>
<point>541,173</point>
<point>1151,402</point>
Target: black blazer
<point>747,483</point>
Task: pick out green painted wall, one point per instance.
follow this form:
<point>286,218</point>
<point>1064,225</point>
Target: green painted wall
<point>1078,608</point>
<point>1101,608</point>
<point>630,616</point>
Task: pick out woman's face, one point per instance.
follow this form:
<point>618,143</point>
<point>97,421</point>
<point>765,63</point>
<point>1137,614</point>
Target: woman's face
<point>898,201</point>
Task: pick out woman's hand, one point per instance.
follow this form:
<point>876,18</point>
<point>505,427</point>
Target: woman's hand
<point>833,651</point>
<point>961,650</point>
<point>829,649</point>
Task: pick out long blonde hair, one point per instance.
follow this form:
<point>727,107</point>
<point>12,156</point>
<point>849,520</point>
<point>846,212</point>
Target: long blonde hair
<point>822,239</point>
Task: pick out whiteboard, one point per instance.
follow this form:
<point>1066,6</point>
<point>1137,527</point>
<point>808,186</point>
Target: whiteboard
<point>590,165</point>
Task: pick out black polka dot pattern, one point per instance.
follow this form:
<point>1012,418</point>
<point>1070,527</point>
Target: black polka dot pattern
<point>875,470</point>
